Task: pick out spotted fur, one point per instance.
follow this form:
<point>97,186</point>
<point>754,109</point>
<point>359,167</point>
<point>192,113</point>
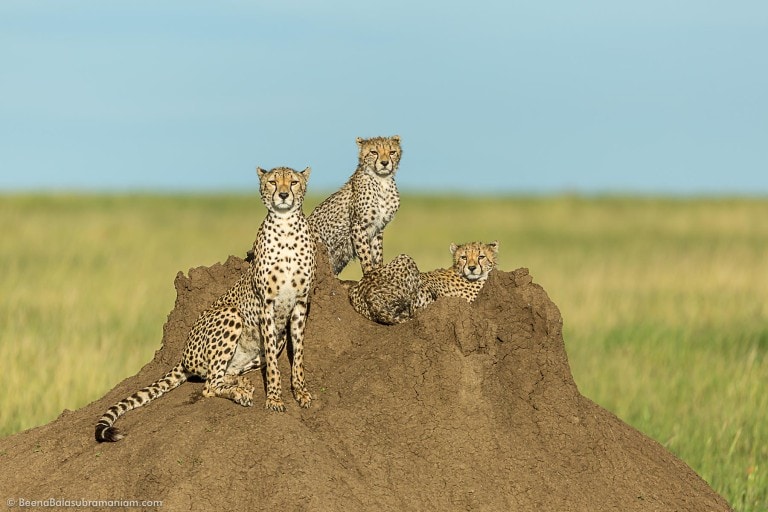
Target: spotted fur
<point>472,262</point>
<point>351,221</point>
<point>247,327</point>
<point>392,293</point>
<point>387,294</point>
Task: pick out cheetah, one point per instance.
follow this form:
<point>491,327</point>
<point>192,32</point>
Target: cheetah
<point>393,293</point>
<point>246,328</point>
<point>387,294</point>
<point>472,262</point>
<point>351,221</point>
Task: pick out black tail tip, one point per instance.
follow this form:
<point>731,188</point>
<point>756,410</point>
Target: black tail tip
<point>106,433</point>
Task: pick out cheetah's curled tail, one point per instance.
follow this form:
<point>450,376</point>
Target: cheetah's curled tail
<point>104,429</point>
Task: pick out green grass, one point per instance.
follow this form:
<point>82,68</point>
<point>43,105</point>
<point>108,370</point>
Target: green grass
<point>665,302</point>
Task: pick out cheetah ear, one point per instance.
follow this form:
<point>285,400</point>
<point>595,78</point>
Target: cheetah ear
<point>261,172</point>
<point>453,247</point>
<point>306,172</point>
<point>396,138</point>
<point>359,141</point>
<point>495,246</point>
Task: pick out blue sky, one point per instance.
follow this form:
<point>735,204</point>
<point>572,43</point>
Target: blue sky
<point>488,96</point>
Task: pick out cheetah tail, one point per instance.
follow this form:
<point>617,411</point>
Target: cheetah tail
<point>104,429</point>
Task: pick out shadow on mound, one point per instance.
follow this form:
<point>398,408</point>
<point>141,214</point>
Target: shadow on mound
<point>466,407</point>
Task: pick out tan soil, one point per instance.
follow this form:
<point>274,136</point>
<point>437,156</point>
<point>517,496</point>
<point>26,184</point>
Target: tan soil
<point>466,407</point>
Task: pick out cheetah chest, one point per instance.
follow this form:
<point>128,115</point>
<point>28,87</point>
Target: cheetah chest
<point>390,202</point>
<point>384,194</point>
<point>285,275</point>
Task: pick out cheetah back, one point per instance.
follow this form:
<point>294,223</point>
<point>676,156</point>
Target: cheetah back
<point>386,294</point>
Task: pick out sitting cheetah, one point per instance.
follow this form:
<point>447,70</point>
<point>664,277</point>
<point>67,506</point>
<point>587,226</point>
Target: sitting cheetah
<point>351,221</point>
<point>248,325</point>
<point>389,295</point>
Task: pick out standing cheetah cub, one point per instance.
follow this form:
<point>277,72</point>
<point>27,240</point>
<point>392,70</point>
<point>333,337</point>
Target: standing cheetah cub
<point>248,325</point>
<point>351,221</point>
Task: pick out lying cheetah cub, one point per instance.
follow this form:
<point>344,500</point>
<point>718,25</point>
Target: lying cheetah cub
<point>351,221</point>
<point>387,294</point>
<point>392,293</point>
<point>472,263</point>
<point>247,326</point>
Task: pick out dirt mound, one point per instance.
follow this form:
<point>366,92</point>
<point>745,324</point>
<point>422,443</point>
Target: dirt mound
<point>466,407</point>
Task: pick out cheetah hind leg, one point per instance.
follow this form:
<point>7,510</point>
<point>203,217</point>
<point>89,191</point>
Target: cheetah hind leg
<point>219,381</point>
<point>234,387</point>
<point>244,388</point>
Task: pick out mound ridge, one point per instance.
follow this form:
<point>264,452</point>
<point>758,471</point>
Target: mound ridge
<point>466,407</point>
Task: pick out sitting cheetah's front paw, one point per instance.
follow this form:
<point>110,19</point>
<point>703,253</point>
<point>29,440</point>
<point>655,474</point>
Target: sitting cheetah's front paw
<point>303,397</point>
<point>275,404</point>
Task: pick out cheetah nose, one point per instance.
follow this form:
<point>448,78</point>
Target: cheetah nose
<point>472,268</point>
<point>283,195</point>
<point>385,163</point>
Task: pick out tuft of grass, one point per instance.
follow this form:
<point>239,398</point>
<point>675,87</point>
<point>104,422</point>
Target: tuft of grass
<point>664,301</point>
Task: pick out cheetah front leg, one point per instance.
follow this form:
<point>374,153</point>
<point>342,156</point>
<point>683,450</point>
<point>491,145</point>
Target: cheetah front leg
<point>377,250</point>
<point>298,323</point>
<point>272,371</point>
<point>361,241</point>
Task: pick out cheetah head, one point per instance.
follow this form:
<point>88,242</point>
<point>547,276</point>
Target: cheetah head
<point>473,261</point>
<point>282,188</point>
<point>380,155</point>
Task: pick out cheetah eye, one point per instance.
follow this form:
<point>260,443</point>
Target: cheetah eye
<point>392,153</point>
<point>294,182</point>
<point>463,258</point>
<point>376,153</point>
<point>481,257</point>
<point>273,182</point>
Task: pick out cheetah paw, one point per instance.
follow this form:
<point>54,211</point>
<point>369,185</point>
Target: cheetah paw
<point>246,385</point>
<point>242,392</point>
<point>275,404</point>
<point>303,397</point>
<point>244,397</point>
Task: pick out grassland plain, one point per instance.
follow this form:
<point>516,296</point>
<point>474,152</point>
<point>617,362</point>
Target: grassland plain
<point>665,301</point>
